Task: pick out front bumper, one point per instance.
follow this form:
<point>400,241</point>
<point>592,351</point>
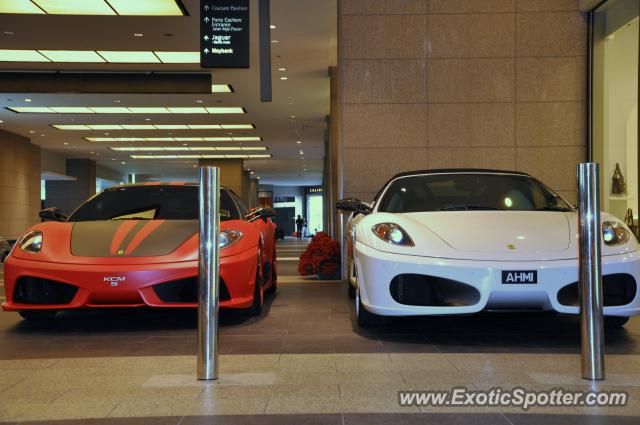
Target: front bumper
<point>109,286</point>
<point>377,269</point>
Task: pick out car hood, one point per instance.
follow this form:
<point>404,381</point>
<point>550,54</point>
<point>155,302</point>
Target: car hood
<point>486,235</point>
<point>130,238</point>
<point>499,231</point>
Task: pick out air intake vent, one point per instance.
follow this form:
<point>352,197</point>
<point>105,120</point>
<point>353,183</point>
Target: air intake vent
<point>185,291</point>
<point>33,290</point>
<point>421,290</point>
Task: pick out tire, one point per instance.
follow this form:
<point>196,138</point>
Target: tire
<point>367,319</point>
<point>256,306</point>
<point>351,290</point>
<point>38,315</point>
<point>274,286</point>
<point>352,280</point>
<point>614,322</point>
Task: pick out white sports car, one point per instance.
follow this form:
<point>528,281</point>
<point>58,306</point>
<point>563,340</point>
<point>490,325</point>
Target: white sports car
<point>461,241</point>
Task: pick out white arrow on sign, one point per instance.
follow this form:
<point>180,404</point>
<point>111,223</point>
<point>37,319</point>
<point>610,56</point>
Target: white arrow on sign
<point>206,38</point>
<point>206,51</point>
<point>206,19</point>
<point>206,7</point>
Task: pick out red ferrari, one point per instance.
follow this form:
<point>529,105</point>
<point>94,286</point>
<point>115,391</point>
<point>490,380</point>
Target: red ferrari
<point>136,246</point>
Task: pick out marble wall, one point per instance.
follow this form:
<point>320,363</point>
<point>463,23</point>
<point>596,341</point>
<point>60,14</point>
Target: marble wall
<point>461,83</point>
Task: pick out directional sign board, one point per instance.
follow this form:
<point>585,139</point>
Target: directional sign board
<point>224,33</point>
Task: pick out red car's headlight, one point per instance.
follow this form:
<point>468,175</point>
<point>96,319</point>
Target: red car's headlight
<point>229,237</point>
<point>31,242</point>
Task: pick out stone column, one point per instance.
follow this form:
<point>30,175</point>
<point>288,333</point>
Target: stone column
<point>19,184</point>
<point>68,195</point>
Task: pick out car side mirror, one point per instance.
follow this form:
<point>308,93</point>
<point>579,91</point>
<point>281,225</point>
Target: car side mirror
<point>355,205</point>
<point>263,213</point>
<point>52,214</point>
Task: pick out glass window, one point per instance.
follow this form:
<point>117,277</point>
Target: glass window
<point>615,104</point>
<point>148,203</point>
<point>468,191</point>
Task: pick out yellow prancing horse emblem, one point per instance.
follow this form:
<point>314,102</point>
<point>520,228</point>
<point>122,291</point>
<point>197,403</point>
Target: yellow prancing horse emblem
<point>511,246</point>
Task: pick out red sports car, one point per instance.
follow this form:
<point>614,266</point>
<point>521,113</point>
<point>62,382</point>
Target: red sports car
<point>135,246</point>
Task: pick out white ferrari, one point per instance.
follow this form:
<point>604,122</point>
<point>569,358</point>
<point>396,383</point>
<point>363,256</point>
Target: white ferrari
<point>444,242</point>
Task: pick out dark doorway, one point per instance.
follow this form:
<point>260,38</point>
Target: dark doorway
<point>285,219</point>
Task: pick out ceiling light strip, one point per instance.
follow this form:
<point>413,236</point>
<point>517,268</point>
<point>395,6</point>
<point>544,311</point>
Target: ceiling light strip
<point>175,139</point>
<point>234,156</point>
<point>186,148</point>
<point>93,7</point>
<point>130,109</point>
<point>85,127</point>
<point>108,56</point>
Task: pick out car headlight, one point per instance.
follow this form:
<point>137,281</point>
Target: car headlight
<point>31,242</point>
<point>614,234</point>
<point>392,233</point>
<point>229,237</point>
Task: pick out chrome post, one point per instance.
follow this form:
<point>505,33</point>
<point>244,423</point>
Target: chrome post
<point>590,269</point>
<point>208,272</point>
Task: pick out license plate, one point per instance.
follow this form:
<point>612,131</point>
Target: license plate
<point>518,277</point>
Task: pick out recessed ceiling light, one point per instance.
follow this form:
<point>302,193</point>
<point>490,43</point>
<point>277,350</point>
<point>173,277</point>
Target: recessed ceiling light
<point>179,57</point>
<point>275,41</point>
<point>198,101</point>
<point>31,131</point>
<point>299,142</point>
<point>221,88</point>
<point>282,69</point>
<point>123,163</point>
<point>138,34</point>
<point>65,143</point>
<point>293,117</point>
<point>86,56</point>
<point>272,27</point>
<point>146,7</point>
<point>8,32</point>
<point>27,100</point>
<point>128,57</point>
<point>147,119</point>
<point>284,78</point>
<point>129,110</point>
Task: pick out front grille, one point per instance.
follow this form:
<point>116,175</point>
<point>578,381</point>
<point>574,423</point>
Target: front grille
<point>33,290</point>
<point>617,289</point>
<point>185,291</point>
<point>432,291</point>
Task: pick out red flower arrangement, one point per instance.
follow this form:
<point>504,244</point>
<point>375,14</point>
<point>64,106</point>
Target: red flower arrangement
<point>322,257</point>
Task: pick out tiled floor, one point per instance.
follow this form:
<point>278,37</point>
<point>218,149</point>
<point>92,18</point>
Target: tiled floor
<point>302,362</point>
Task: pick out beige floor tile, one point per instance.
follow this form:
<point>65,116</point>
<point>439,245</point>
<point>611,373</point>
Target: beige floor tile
<point>307,362</point>
<point>355,390</point>
<point>49,412</point>
<point>27,363</point>
<point>362,362</point>
<point>99,394</point>
<point>413,362</point>
<point>374,405</point>
<point>293,405</point>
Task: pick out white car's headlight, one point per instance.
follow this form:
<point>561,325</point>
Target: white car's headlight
<point>229,237</point>
<point>614,234</point>
<point>31,242</point>
<point>392,233</point>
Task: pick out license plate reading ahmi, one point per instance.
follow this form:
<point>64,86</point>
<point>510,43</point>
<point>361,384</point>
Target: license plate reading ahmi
<point>519,277</point>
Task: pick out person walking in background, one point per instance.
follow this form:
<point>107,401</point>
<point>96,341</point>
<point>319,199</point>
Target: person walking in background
<point>300,223</point>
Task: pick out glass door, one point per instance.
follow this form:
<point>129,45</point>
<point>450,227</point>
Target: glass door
<point>615,104</point>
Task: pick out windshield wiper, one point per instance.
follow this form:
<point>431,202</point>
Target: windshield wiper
<point>468,208</point>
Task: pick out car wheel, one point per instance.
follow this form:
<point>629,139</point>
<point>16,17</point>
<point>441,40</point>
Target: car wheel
<point>256,307</point>
<point>613,322</point>
<point>274,278</point>
<point>351,281</point>
<point>367,319</point>
<point>38,314</point>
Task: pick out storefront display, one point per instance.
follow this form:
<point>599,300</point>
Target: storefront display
<point>614,103</point>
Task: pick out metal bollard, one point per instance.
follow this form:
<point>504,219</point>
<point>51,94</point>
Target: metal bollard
<point>590,280</point>
<point>208,272</point>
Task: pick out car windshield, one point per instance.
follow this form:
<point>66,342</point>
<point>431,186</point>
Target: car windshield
<point>162,202</point>
<point>469,192</point>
